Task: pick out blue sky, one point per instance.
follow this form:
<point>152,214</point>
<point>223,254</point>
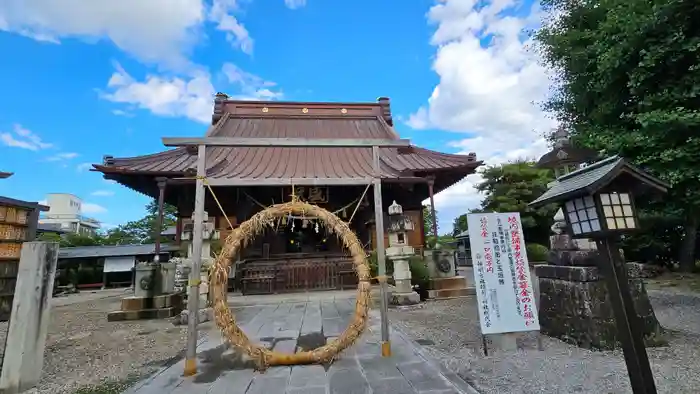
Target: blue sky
<point>117,76</point>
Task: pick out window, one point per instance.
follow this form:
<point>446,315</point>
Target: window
<point>617,209</point>
<point>582,215</point>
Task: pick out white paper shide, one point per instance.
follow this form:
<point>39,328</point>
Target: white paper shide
<point>503,285</point>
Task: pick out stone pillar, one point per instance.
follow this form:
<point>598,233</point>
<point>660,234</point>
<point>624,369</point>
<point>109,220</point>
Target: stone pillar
<point>402,276</point>
<point>26,337</point>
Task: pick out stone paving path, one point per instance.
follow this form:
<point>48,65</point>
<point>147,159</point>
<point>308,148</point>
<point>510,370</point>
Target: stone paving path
<point>287,326</point>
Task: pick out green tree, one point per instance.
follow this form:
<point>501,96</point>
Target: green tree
<point>510,188</point>
<point>628,83</point>
<point>460,223</point>
<point>143,231</point>
<point>428,221</point>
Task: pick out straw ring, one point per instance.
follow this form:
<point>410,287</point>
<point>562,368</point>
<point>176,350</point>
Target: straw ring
<point>241,237</point>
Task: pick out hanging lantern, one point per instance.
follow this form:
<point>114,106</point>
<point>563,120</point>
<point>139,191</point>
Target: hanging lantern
<point>304,223</point>
<point>284,220</point>
<point>345,214</point>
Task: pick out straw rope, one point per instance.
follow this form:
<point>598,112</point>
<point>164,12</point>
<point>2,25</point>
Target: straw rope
<point>240,237</point>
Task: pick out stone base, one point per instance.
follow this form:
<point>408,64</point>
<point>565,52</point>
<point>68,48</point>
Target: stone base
<point>446,294</point>
<point>173,300</point>
<point>142,308</point>
<point>575,308</point>
<point>143,314</point>
<point>411,298</point>
<point>453,287</point>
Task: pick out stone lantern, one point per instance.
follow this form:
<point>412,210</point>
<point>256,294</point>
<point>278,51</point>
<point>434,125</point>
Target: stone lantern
<point>399,252</point>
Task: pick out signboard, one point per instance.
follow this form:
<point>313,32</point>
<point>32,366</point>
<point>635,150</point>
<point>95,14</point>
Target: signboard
<point>504,290</point>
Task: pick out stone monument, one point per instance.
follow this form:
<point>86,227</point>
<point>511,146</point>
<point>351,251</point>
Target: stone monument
<point>399,252</point>
<point>154,294</point>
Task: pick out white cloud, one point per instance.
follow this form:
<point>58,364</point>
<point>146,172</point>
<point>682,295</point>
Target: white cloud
<point>489,85</point>
<point>192,97</point>
<point>102,193</point>
<point>43,202</point>
<point>90,208</point>
<point>23,138</point>
<point>294,4</point>
<point>62,156</point>
<point>155,31</point>
<point>251,87</point>
<point>221,13</point>
<point>83,166</point>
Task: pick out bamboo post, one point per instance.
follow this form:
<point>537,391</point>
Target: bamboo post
<point>29,319</point>
<point>195,273</point>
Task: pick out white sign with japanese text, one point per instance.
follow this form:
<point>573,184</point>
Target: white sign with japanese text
<point>504,290</point>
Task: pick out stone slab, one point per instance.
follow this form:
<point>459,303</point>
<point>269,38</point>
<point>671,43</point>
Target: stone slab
<point>348,381</point>
<point>422,376</point>
<point>268,385</point>
<point>308,376</point>
<point>359,370</point>
<point>307,390</point>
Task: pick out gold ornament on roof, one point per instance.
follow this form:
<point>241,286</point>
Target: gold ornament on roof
<point>265,109</point>
<point>343,111</point>
<point>305,110</point>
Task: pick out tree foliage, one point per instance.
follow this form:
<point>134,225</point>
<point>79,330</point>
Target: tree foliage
<point>140,231</point>
<point>628,83</point>
<point>510,188</point>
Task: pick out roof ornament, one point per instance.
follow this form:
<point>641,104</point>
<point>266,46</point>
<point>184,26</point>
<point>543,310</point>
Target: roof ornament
<point>265,109</point>
<point>305,110</point>
<point>344,111</point>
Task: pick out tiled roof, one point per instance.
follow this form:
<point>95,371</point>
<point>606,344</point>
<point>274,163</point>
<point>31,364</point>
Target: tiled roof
<point>112,251</point>
<point>295,162</point>
<point>591,178</point>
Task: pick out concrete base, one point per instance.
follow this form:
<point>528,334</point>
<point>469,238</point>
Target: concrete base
<point>143,308</point>
<point>411,298</point>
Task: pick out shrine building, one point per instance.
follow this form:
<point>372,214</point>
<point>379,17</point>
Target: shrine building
<point>298,255</point>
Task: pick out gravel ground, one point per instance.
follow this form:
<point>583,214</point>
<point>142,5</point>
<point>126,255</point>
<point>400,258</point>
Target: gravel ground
<point>83,349</point>
<point>453,327</point>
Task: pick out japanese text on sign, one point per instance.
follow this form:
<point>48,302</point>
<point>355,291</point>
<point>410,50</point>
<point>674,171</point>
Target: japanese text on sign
<point>504,287</point>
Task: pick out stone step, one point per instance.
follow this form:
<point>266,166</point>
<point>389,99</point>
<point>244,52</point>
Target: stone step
<point>455,282</point>
<point>451,293</point>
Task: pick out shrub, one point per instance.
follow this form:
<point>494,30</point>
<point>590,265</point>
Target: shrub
<point>536,252</point>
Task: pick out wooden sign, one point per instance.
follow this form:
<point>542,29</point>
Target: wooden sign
<point>312,194</point>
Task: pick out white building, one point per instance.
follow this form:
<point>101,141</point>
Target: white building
<point>65,210</point>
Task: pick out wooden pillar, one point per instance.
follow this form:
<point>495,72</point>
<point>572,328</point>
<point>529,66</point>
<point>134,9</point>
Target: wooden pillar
<point>159,222</point>
<point>195,273</point>
<point>431,183</point>
<point>29,320</point>
<point>381,253</point>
